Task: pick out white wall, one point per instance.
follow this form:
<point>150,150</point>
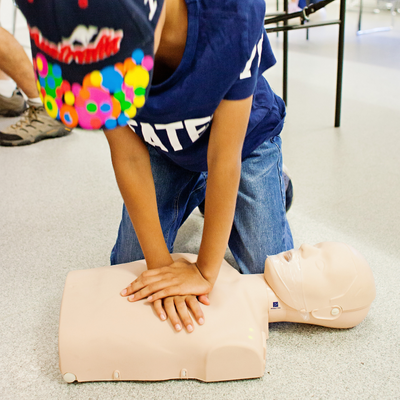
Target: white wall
<point>7,16</point>
<point>6,20</point>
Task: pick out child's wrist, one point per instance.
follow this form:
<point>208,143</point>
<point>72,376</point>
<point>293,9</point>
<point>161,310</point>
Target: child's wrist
<point>210,277</point>
<point>159,261</point>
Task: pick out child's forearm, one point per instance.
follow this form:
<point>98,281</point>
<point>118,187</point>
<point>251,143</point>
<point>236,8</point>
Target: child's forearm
<point>224,164</point>
<point>222,188</point>
<point>137,189</point>
<point>132,169</point>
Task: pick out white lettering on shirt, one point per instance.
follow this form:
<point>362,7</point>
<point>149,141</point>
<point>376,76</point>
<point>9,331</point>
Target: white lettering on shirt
<point>247,72</point>
<point>148,134</point>
<point>194,129</point>
<point>192,124</point>
<point>171,132</point>
<point>152,6</point>
<point>257,49</point>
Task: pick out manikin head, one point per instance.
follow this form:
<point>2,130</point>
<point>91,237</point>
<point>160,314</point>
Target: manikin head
<point>327,282</point>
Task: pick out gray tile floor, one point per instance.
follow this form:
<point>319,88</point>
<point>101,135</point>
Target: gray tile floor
<point>60,209</point>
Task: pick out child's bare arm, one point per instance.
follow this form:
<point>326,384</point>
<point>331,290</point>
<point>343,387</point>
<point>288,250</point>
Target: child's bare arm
<point>132,168</point>
<point>131,162</point>
<point>224,163</point>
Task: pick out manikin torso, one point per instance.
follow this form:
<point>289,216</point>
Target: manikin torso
<point>108,326</point>
<point>105,337</point>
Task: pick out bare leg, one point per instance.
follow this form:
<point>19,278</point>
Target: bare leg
<point>7,89</point>
<point>3,76</point>
<point>16,64</point>
<point>36,124</point>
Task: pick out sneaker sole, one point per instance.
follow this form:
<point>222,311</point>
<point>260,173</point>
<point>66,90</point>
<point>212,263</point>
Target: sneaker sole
<point>59,133</point>
<point>11,113</point>
<point>289,196</point>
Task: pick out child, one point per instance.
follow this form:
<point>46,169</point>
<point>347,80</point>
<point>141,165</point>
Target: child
<point>209,113</point>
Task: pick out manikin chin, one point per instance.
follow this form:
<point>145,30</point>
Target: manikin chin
<point>104,337</point>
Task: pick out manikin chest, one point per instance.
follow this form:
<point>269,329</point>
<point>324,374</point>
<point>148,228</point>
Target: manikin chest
<point>104,337</point>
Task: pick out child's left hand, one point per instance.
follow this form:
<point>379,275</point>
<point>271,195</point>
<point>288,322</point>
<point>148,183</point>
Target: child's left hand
<point>178,279</point>
<point>176,309</point>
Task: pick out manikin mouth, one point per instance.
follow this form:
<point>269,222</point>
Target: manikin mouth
<point>287,266</point>
<point>287,256</point>
<point>281,258</point>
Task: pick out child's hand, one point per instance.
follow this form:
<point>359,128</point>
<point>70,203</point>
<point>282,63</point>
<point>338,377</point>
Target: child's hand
<point>178,279</point>
<point>177,309</point>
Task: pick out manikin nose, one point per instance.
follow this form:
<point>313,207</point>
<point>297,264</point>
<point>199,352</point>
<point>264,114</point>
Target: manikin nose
<point>307,250</point>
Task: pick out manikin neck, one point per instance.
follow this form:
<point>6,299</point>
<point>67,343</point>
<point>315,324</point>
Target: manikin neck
<point>278,311</point>
<point>265,302</point>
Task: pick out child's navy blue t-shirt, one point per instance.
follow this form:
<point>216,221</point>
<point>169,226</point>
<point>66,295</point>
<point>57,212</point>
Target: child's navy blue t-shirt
<point>226,52</point>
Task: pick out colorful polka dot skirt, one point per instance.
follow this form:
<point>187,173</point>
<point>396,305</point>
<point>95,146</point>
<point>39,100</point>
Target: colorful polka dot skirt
<point>106,98</point>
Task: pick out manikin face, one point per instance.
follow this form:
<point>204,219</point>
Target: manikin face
<point>322,277</point>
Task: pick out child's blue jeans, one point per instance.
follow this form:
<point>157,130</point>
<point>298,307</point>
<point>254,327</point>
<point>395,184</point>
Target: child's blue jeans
<point>260,227</point>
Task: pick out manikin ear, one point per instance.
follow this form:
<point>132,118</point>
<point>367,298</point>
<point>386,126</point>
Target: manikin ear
<point>328,313</point>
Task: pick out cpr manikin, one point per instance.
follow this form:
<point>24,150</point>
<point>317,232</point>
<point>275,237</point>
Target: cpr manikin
<point>104,337</point>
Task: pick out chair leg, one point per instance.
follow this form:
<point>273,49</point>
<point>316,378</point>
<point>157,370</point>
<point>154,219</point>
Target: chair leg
<point>14,19</point>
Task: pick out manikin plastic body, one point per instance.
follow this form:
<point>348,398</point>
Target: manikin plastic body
<point>104,337</point>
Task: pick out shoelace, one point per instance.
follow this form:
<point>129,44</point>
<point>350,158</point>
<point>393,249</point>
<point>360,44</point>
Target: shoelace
<point>31,115</point>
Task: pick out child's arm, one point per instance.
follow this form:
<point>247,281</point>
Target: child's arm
<point>131,162</point>
<point>132,169</point>
<point>224,164</point>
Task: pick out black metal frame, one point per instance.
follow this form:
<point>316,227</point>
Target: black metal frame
<point>374,30</point>
<point>286,28</point>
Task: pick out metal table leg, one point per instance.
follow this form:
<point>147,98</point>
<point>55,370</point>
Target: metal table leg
<point>339,81</point>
